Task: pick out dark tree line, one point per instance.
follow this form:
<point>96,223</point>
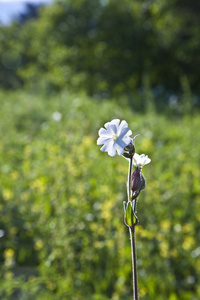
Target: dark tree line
<point>104,46</point>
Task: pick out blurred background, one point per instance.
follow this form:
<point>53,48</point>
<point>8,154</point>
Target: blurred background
<point>66,68</point>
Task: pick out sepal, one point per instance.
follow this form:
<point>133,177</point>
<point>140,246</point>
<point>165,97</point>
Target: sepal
<point>138,182</point>
<point>130,218</point>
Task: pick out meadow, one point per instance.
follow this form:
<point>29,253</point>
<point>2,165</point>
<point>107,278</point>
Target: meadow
<point>62,232</point>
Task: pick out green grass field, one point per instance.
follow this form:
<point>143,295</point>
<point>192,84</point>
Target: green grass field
<point>62,234</point>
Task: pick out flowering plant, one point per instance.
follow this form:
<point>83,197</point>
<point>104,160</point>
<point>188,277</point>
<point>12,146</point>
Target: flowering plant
<point>115,138</point>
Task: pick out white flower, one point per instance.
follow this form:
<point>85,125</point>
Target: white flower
<point>140,160</point>
<point>115,137</point>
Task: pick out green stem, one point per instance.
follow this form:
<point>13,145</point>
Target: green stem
<point>134,265</point>
<point>132,235</point>
<point>129,192</point>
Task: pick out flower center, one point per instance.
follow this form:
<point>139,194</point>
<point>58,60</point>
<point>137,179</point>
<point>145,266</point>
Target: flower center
<point>115,137</point>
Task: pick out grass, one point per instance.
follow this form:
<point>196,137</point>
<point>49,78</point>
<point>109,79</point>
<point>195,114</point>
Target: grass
<point>61,207</point>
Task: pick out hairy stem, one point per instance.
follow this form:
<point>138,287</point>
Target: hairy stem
<point>132,234</point>
<point>129,192</point>
<point>134,265</point>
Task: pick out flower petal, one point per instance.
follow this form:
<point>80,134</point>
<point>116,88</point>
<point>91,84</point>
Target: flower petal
<point>112,149</point>
<point>140,160</point>
<point>119,148</point>
<point>106,146</point>
<point>121,143</point>
<point>147,160</point>
<point>123,124</point>
<point>109,147</point>
<point>107,125</point>
<point>136,159</point>
<point>126,140</point>
<point>124,131</point>
<point>102,140</point>
<point>115,122</point>
<point>104,132</point>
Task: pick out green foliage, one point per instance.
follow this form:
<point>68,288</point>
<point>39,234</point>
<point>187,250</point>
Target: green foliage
<point>104,47</point>
<point>61,202</point>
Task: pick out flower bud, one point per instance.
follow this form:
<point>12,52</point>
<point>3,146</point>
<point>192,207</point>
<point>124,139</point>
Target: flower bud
<point>135,179</point>
<point>138,182</point>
